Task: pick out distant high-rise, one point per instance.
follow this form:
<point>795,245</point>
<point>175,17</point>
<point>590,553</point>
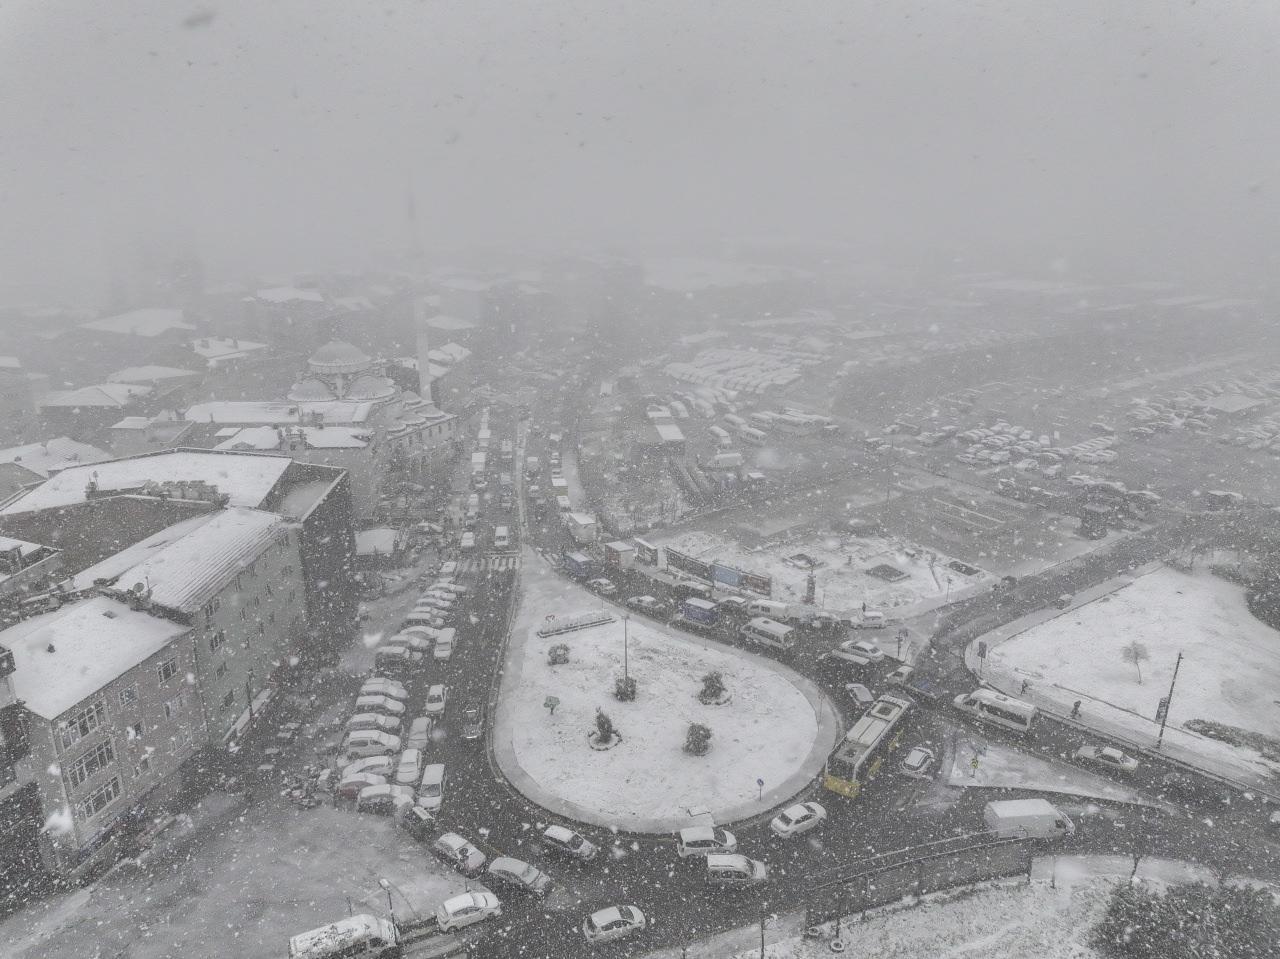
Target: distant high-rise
<point>423,331</point>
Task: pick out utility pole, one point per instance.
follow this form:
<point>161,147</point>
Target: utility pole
<point>626,675</point>
<point>1164,707</point>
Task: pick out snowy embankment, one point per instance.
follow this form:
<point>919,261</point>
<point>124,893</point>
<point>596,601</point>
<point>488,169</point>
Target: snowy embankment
<point>1229,673</point>
<point>776,727</point>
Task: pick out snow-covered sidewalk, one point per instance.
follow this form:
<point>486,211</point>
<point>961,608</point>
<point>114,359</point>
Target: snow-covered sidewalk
<point>777,727</point>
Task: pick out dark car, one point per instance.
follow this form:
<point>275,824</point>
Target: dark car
<point>519,875</point>
<point>472,720</point>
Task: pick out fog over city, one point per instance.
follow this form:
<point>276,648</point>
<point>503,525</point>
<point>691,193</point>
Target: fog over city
<point>652,480</point>
<point>279,136</point>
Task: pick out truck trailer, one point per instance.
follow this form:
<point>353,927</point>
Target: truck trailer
<point>1027,819</point>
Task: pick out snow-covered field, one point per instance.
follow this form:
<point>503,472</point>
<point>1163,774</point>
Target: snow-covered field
<point>1230,669</point>
<point>994,922</point>
<point>243,891</point>
<point>648,783</point>
<point>842,581</point>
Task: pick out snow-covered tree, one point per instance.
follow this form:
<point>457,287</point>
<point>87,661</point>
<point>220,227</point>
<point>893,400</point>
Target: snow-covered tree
<point>1135,652</point>
<point>698,740</point>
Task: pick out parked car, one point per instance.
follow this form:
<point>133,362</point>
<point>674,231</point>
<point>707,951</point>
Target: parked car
<point>901,676</point>
<point>370,742</point>
<point>444,647</point>
<point>362,721</point>
<point>384,687</point>
<point>458,853</point>
<point>467,909</point>
<point>602,586</point>
<point>648,604</point>
<point>419,735</point>
<point>472,720</point>
<point>704,840</point>
<point>735,871</point>
<point>864,648</point>
<point>566,842</point>
<point>612,923</point>
<point>384,799</point>
<point>859,694</point>
<point>917,763</point>
<point>350,787</point>
<point>409,768</point>
<point>437,696</point>
<point>798,819</point>
<point>380,704</point>
<point>420,823</point>
<point>1107,756</point>
<point>431,788</point>
<point>519,875</point>
<point>377,765</point>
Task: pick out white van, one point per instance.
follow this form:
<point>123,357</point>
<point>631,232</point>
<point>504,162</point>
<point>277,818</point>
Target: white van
<point>431,789</point>
<point>735,871</point>
<point>767,632</point>
<point>988,706</point>
<point>358,937</point>
<point>770,609</point>
<point>705,841</point>
<point>501,537</point>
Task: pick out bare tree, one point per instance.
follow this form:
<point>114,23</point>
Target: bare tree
<point>1135,652</point>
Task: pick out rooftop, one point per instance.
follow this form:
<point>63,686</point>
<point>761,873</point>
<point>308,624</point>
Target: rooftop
<point>450,324</point>
<point>268,438</point>
<point>66,656</point>
<point>117,563</point>
<point>100,396</point>
<point>214,349</point>
<point>247,478</point>
<point>190,570</point>
<point>148,322</point>
<point>254,412</point>
<point>53,455</point>
<point>289,294</point>
<point>150,374</point>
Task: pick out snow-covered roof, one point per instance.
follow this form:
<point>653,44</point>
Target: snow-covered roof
<point>455,352</point>
<point>10,363</point>
<point>64,657</point>
<point>450,324</point>
<point>262,412</point>
<point>132,423</point>
<point>53,455</point>
<point>371,542</point>
<point>8,543</point>
<point>150,374</point>
<point>117,563</point>
<point>101,395</point>
<point>188,572</point>
<point>267,438</point>
<point>339,356</point>
<point>288,294</point>
<point>247,478</point>
<point>669,432</point>
<point>148,322</point>
<point>354,302</point>
<point>214,349</point>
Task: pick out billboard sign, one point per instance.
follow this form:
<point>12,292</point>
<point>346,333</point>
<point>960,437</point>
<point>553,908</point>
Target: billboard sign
<point>757,583</point>
<point>726,575</point>
<point>687,564</point>
<point>646,552</point>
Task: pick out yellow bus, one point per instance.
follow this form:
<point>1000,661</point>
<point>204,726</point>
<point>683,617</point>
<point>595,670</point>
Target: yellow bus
<point>863,750</point>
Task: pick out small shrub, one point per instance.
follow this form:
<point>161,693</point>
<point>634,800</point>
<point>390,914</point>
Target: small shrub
<point>624,688</point>
<point>713,688</point>
<point>698,740</point>
<point>604,728</point>
<point>558,654</point>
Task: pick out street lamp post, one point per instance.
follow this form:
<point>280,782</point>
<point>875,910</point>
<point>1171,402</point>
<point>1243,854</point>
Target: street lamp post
<point>626,675</point>
<point>390,905</point>
<point>248,694</point>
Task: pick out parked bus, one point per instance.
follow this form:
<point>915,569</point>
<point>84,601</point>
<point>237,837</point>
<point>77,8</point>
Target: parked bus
<point>734,420</point>
<point>721,436</point>
<point>468,542</point>
<point>988,706</point>
<point>507,451</point>
<point>501,537</point>
<point>762,420</point>
<point>753,436</point>
<point>862,752</point>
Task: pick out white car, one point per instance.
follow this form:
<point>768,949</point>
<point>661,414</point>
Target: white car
<point>917,763</point>
<point>798,819</point>
<point>459,854</point>
<point>568,843</point>
<point>378,703</point>
<point>419,735</point>
<point>436,697</point>
<point>1107,756</point>
<point>901,676</point>
<point>612,923</point>
<point>466,909</point>
<point>443,651</point>
<point>602,586</point>
<point>384,687</point>
<point>704,841</point>
<point>409,769</point>
<point>376,765</point>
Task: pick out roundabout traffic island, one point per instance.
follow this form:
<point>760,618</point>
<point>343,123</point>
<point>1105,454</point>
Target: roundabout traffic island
<point>771,724</point>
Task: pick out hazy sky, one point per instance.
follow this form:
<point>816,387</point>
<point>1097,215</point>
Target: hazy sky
<point>284,134</point>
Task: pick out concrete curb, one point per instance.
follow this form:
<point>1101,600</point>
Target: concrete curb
<point>830,729</point>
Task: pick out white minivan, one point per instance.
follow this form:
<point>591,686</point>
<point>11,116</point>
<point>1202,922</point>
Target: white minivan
<point>770,609</point>
<point>765,632</point>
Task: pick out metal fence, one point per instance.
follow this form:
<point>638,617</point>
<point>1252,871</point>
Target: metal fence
<point>917,871</point>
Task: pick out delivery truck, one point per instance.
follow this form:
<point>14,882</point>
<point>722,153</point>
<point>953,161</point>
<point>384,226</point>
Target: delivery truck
<point>1027,819</point>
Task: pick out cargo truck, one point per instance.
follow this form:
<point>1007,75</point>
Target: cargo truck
<point>699,613</point>
<point>1027,819</point>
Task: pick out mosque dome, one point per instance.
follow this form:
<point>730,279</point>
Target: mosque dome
<point>337,356</point>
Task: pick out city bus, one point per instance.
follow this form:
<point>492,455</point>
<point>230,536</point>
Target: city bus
<point>988,706</point>
<point>863,750</point>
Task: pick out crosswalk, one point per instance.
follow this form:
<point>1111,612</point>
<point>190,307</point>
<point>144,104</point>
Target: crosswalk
<point>490,561</point>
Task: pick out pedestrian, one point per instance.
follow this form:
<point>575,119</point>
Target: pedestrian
<point>1075,710</point>
<point>1025,684</point>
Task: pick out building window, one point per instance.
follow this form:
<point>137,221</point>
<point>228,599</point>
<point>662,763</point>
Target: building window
<point>262,630</point>
<point>229,700</point>
<point>128,695</point>
<point>216,640</point>
<point>100,798</point>
<point>83,723</point>
<point>220,671</point>
<point>173,708</point>
<point>143,767</point>
<point>135,731</point>
<point>99,757</point>
<point>167,670</point>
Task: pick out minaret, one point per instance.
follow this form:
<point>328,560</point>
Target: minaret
<point>424,364</point>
